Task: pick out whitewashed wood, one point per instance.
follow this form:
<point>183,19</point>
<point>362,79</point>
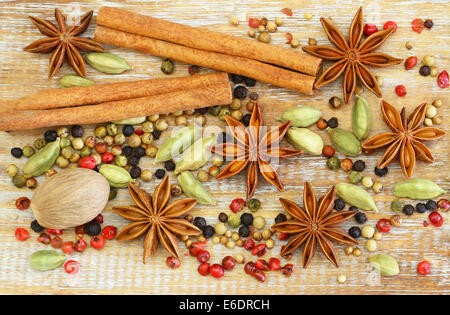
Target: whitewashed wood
<point>118,269</point>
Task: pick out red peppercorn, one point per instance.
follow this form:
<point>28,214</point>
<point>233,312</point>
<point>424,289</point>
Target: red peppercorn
<point>417,25</point>
<point>79,230</point>
<point>139,132</point>
<point>250,268</point>
<point>97,242</point>
<point>259,250</point>
<point>196,247</point>
<point>173,262</point>
<point>400,90</point>
<point>253,22</point>
<point>216,271</point>
<point>384,225</point>
<point>390,24</point>
<point>442,79</point>
<point>410,62</point>
<point>436,219</point>
<point>287,11</point>
<point>370,29</point>
<point>287,270</point>
<point>101,147</point>
<point>80,245</point>
<point>282,236</point>
<point>203,269</point>
<point>67,247</point>
<point>44,238</point>
<point>108,157</point>
<point>22,234</point>
<point>274,263</point>
<point>443,205</point>
<point>328,151</point>
<point>260,275</point>
<point>261,264</point>
<point>109,232</point>
<point>99,219</point>
<point>237,204</point>
<point>54,232</point>
<point>23,203</point>
<point>72,267</point>
<point>56,242</point>
<point>424,268</point>
<point>228,263</point>
<point>425,223</point>
<point>322,124</point>
<point>203,256</point>
<point>248,244</point>
<point>88,162</point>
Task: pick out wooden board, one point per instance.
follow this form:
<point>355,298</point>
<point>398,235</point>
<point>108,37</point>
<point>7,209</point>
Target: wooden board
<point>118,268</point>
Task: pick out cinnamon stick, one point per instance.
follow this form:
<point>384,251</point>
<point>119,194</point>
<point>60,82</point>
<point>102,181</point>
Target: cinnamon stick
<point>102,93</point>
<point>218,94</point>
<point>206,40</point>
<point>222,62</point>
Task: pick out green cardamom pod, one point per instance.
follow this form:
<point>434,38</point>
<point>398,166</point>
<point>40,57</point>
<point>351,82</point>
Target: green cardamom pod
<point>131,121</point>
<point>117,176</point>
<point>194,189</point>
<point>344,141</point>
<point>301,116</point>
<point>197,155</point>
<point>361,118</point>
<point>42,160</point>
<point>306,140</point>
<point>417,188</point>
<point>179,141</point>
<point>356,196</point>
<point>44,260</point>
<point>385,264</point>
<point>74,80</point>
<point>107,63</point>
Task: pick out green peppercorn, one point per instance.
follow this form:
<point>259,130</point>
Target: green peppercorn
<point>31,183</point>
<point>63,132</point>
<point>167,66</point>
<point>151,151</point>
<point>176,190</point>
<point>134,140</point>
<point>146,175</point>
<point>77,143</point>
<point>12,170</point>
<point>120,138</point>
<point>100,132</point>
<point>67,152</point>
<point>225,111</point>
<point>234,220</point>
<point>111,129</point>
<point>39,143</point>
<point>65,142</point>
<point>112,193</point>
<point>85,151</point>
<point>28,151</point>
<point>397,205</point>
<point>109,140</point>
<point>147,126</point>
<point>333,163</point>
<point>147,138</point>
<point>62,162</point>
<point>254,204</point>
<point>355,177</point>
<point>214,110</point>
<point>19,181</point>
<point>121,160</point>
<point>75,157</point>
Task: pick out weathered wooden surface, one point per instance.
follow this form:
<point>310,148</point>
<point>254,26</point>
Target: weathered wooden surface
<point>118,268</point>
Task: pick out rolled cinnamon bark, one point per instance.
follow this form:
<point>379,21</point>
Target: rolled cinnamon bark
<point>231,64</point>
<point>206,40</point>
<point>102,93</point>
<point>218,94</point>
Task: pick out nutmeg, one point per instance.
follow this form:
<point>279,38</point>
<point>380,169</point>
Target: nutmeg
<point>70,198</point>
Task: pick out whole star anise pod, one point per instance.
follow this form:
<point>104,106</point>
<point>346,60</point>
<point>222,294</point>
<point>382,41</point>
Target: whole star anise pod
<point>405,139</point>
<point>351,58</point>
<point>316,224</point>
<point>156,217</point>
<point>254,149</point>
<point>64,41</point>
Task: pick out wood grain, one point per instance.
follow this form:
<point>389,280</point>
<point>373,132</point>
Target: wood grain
<point>117,269</point>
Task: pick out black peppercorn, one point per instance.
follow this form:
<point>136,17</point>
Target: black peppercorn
<point>199,222</point>
<point>127,130</point>
<point>421,208</point>
<point>92,228</point>
<point>361,217</point>
<point>339,204</point>
<point>169,165</point>
<point>236,78</point>
<point>51,135</point>
<point>135,172</point>
<point>244,231</point>
<point>246,119</point>
<point>77,131</point>
<point>127,151</point>
<point>332,122</point>
<point>381,171</point>
<point>202,111</point>
<point>240,92</point>
<point>431,205</point>
<point>247,219</point>
<point>428,23</point>
<point>408,210</point>
<point>208,231</point>
<point>138,152</point>
<point>359,166</point>
<point>35,226</point>
<point>280,218</point>
<point>354,232</point>
<point>250,82</point>
<point>156,134</point>
<point>160,173</point>
<point>253,96</point>
<point>353,208</point>
<point>223,217</point>
<point>16,152</point>
<point>133,160</point>
<point>425,71</point>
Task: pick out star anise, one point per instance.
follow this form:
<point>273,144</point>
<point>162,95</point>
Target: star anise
<point>64,41</point>
<point>405,139</point>
<point>154,216</point>
<point>316,224</point>
<point>351,58</point>
<point>254,149</point>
